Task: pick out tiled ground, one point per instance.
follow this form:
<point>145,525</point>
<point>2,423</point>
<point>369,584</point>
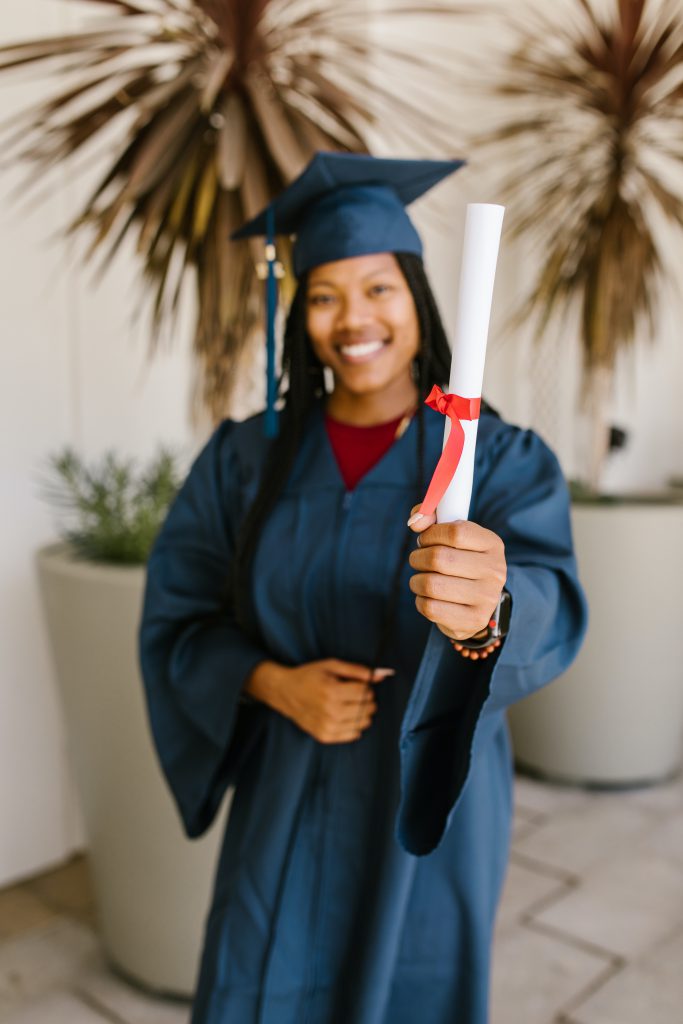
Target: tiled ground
<point>590,930</point>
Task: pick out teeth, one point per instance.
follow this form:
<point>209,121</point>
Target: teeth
<point>363,348</point>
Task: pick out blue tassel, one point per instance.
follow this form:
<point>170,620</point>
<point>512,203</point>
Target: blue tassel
<point>271,420</point>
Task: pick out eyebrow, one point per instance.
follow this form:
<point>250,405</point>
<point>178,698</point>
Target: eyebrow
<point>373,273</point>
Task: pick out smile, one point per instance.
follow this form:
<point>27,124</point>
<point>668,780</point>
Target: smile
<point>361,351</point>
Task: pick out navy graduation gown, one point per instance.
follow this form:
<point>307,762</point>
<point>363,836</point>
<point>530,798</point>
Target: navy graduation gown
<point>357,883</point>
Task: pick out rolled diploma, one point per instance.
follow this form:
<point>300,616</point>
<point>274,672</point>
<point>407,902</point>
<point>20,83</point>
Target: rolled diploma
<point>483,225</point>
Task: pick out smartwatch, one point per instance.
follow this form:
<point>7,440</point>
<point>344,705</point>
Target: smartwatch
<point>497,627</point>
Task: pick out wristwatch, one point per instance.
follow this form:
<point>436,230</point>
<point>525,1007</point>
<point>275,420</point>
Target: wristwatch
<point>497,627</point>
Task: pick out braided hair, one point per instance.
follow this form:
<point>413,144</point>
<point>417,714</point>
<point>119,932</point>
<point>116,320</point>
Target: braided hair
<point>306,384</point>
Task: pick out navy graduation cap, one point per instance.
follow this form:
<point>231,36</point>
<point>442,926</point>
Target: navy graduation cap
<point>341,205</point>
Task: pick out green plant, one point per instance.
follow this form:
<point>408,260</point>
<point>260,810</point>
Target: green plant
<point>222,103</point>
<point>593,105</point>
<point>111,512</point>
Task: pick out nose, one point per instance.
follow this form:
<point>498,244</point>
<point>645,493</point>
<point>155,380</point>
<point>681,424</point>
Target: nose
<point>355,313</point>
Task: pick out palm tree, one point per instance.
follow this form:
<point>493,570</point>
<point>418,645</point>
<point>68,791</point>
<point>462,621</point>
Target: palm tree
<point>594,108</point>
<point>223,102</point>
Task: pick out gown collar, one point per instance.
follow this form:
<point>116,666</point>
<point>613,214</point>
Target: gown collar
<point>316,466</point>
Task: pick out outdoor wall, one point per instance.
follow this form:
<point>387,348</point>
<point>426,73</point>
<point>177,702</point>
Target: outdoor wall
<point>75,369</point>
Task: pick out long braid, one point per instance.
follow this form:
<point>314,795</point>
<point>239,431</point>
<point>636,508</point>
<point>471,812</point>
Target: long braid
<point>305,384</point>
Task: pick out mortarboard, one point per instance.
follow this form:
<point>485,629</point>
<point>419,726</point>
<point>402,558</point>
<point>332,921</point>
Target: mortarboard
<point>341,205</point>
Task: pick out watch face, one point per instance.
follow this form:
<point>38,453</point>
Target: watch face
<point>505,612</point>
<point>499,630</point>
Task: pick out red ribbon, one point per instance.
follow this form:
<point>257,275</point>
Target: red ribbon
<point>457,409</point>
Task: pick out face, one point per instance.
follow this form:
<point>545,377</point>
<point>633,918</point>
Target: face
<point>362,322</point>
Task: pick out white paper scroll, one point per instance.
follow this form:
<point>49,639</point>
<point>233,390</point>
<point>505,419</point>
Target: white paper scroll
<point>483,226</point>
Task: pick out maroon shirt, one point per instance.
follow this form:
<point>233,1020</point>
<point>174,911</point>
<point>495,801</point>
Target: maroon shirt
<point>357,449</point>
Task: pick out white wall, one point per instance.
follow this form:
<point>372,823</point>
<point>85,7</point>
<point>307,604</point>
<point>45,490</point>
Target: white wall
<point>75,370</point>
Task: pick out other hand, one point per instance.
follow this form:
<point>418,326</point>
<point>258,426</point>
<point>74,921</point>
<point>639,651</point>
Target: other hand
<point>331,700</point>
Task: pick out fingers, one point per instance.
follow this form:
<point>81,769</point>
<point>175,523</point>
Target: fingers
<point>379,674</point>
<point>349,718</point>
<point>352,693</point>
<point>418,522</point>
<point>480,595</point>
<point>458,620</point>
<point>345,670</point>
<point>350,736</point>
<point>461,572</point>
<point>447,561</point>
<point>346,728</point>
<point>462,534</point>
<point>333,700</point>
<point>446,588</point>
<point>347,711</point>
<point>346,702</point>
<point>360,717</point>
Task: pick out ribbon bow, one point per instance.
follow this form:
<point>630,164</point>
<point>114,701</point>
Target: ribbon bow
<point>457,409</point>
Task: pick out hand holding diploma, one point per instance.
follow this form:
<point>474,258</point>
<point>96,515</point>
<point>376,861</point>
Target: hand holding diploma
<point>461,570</point>
<point>461,566</point>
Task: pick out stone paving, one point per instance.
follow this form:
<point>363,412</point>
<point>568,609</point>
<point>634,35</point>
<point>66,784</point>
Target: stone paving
<point>590,930</point>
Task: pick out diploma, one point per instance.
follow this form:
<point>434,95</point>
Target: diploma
<point>450,490</point>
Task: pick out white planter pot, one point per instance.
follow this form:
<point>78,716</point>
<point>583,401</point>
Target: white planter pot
<point>152,885</point>
<point>616,717</point>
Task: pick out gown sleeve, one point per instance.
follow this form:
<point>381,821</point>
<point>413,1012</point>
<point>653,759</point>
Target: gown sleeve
<point>455,704</point>
<point>193,656</point>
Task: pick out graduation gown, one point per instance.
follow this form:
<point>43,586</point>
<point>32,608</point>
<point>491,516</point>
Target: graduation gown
<point>357,883</point>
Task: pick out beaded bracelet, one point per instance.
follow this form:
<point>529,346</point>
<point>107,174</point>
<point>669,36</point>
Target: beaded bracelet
<point>481,652</point>
<point>490,637</point>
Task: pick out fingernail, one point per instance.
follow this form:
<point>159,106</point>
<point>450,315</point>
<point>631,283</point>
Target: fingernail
<point>414,519</point>
<point>383,672</point>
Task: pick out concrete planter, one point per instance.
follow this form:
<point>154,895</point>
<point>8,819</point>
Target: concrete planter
<point>152,886</point>
<point>616,717</point>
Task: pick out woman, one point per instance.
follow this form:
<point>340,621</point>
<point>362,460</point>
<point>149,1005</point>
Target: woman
<point>297,643</point>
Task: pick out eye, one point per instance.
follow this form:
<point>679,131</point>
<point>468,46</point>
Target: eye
<point>320,299</point>
<point>380,289</point>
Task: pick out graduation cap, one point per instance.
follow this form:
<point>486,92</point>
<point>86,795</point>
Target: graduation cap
<point>341,205</point>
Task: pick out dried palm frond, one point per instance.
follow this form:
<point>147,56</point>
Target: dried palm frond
<point>224,102</point>
<point>594,109</point>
